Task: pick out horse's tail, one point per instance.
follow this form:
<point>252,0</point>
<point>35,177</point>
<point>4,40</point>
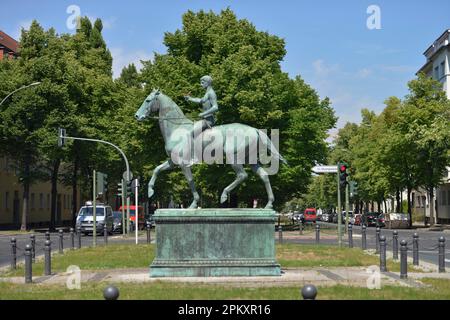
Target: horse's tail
<point>268,143</point>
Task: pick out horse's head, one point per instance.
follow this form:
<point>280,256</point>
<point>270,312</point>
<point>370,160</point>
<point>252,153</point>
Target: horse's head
<point>149,105</point>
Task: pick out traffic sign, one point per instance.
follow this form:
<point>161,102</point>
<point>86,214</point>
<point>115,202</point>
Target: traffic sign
<point>325,169</point>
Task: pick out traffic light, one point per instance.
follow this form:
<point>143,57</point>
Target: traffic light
<point>61,137</point>
<point>102,183</point>
<point>353,188</point>
<point>119,189</point>
<point>343,167</point>
<point>130,190</point>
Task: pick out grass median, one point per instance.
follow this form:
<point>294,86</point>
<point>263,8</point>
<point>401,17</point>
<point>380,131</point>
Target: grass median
<point>123,256</point>
<point>438,289</point>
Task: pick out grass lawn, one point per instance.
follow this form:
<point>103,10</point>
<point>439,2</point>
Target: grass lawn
<point>116,256</point>
<point>439,289</point>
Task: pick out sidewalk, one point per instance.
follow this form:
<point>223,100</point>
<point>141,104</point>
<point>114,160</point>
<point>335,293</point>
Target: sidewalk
<point>348,276</point>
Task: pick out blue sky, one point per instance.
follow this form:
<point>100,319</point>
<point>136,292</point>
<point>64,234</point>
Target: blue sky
<point>328,42</point>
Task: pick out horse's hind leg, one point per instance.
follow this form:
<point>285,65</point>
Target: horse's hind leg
<point>241,175</point>
<point>188,174</point>
<point>265,178</point>
<point>162,167</point>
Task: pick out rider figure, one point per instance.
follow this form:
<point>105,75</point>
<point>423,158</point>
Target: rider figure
<point>209,105</point>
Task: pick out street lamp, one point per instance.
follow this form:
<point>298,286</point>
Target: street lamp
<point>23,87</point>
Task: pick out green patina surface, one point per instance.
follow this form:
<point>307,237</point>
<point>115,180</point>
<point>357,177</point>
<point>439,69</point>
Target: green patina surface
<point>214,242</point>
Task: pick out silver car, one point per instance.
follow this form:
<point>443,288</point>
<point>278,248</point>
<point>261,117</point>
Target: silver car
<point>103,217</point>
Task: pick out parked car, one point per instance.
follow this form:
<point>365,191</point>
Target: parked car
<point>370,219</point>
<point>358,219</point>
<point>141,218</point>
<point>310,215</point>
<point>381,221</point>
<point>103,218</point>
<point>396,220</point>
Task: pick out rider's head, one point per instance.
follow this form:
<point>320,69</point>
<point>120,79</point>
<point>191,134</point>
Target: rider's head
<point>205,81</point>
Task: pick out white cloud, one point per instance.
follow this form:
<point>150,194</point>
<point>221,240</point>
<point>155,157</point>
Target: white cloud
<point>363,73</point>
<point>122,58</point>
<point>321,69</point>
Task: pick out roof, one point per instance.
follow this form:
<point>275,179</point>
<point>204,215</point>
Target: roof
<point>8,42</point>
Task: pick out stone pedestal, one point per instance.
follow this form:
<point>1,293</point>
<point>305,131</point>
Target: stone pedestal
<point>214,242</point>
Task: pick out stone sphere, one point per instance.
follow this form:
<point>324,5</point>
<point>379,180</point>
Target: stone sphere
<point>111,293</point>
<point>309,292</point>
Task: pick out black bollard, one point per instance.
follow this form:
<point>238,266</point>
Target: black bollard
<point>383,254</point>
<point>105,233</point>
<point>395,245</point>
<point>415,249</point>
<point>48,258</point>
<point>441,254</point>
<point>280,234</point>
<point>28,264</point>
<point>317,233</point>
<point>61,245</point>
<point>364,237</point>
<point>47,235</point>
<point>300,226</point>
<point>72,238</point>
<point>403,260</point>
<point>309,292</point>
<point>377,240</point>
<point>13,253</point>
<point>111,293</point>
<point>350,235</point>
<point>33,247</point>
<point>148,231</point>
<point>79,237</point>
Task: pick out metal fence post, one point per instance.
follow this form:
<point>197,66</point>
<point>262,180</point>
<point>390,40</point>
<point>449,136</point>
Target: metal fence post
<point>61,245</point>
<point>395,245</point>
<point>350,235</point>
<point>280,234</point>
<point>363,237</point>
<point>317,233</point>
<point>48,257</point>
<point>33,247</point>
<point>13,253</point>
<point>28,264</point>
<point>148,231</point>
<point>72,238</point>
<point>415,249</point>
<point>300,226</point>
<point>441,254</point>
<point>403,260</point>
<point>377,240</point>
<point>79,237</point>
<point>383,254</point>
<point>105,233</point>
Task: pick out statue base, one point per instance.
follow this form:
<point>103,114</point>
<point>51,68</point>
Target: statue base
<point>214,243</point>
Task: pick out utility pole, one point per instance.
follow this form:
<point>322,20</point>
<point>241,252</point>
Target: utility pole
<point>347,205</point>
<point>94,210</point>
<point>136,203</point>
<point>339,212</point>
<point>123,206</point>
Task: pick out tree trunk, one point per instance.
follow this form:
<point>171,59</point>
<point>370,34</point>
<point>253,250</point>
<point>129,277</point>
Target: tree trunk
<point>372,206</point>
<point>409,206</point>
<point>399,203</point>
<point>54,182</point>
<point>26,194</point>
<point>74,191</point>
<point>385,206</point>
<point>432,213</point>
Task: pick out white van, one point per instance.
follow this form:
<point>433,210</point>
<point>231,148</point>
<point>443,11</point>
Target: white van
<point>103,217</point>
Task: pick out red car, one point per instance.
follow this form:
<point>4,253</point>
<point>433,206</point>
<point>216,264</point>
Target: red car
<point>310,215</point>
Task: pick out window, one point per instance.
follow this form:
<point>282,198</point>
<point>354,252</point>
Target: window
<point>436,73</point>
<point>41,201</point>
<point>448,197</point>
<point>32,201</point>
<point>65,202</point>
<point>48,201</point>
<point>443,202</point>
<point>442,69</point>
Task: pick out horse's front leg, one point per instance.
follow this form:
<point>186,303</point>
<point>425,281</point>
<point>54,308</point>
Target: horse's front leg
<point>162,167</point>
<point>188,174</point>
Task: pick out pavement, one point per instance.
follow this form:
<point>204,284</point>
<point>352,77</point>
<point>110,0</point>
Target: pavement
<point>348,276</point>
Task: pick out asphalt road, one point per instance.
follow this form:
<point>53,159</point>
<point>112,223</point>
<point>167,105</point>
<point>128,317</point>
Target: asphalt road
<point>428,241</point>
<point>22,240</point>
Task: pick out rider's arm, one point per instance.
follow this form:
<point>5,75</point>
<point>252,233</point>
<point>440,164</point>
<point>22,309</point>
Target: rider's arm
<point>197,100</point>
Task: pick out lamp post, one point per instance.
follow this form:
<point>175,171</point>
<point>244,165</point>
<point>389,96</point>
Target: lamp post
<point>23,87</point>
